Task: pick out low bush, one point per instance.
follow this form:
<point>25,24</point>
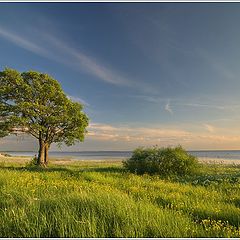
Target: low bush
<point>32,162</point>
<point>163,161</point>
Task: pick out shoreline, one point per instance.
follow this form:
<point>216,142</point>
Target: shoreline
<point>219,161</point>
<point>63,160</point>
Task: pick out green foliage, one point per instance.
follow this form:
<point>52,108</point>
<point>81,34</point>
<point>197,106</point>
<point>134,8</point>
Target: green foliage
<point>162,161</point>
<point>92,199</point>
<point>35,103</point>
<point>33,162</point>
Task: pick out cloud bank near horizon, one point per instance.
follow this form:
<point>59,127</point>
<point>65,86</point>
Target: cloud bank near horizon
<point>110,137</point>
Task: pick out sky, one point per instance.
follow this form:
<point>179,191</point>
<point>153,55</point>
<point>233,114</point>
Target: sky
<point>147,73</point>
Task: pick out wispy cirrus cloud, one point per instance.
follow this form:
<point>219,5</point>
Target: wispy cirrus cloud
<point>168,107</point>
<point>189,103</point>
<point>24,43</point>
<point>59,51</point>
<point>229,106</point>
<point>87,63</point>
<point>202,105</point>
<point>78,99</point>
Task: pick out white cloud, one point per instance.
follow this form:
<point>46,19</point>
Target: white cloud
<point>78,99</point>
<point>190,103</point>
<point>87,63</point>
<point>23,42</point>
<point>204,105</point>
<point>163,136</point>
<point>140,135</point>
<point>112,137</point>
<point>59,51</point>
<point>209,128</point>
<point>168,107</point>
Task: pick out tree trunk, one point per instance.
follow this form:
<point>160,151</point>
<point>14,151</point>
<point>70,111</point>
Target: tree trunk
<point>46,154</point>
<point>41,153</point>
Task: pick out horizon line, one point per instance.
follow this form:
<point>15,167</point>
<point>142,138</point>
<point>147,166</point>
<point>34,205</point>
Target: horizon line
<point>188,150</point>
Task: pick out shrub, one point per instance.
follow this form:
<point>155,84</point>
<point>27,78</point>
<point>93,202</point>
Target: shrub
<point>32,162</point>
<point>163,161</point>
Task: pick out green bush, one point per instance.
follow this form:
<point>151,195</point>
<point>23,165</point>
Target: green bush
<point>163,161</point>
<point>32,162</point>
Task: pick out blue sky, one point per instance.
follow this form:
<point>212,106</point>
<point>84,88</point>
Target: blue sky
<point>147,73</point>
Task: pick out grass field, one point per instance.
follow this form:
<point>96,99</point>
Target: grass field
<point>100,199</point>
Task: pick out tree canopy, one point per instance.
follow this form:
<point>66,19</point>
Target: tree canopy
<point>34,103</point>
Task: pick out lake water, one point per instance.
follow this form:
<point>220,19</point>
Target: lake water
<point>228,155</point>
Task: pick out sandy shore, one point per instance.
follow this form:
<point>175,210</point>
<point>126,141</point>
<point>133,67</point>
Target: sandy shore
<point>219,161</point>
<point>24,159</point>
<point>57,161</point>
<point>17,159</point>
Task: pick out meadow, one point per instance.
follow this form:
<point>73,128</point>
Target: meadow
<point>101,199</point>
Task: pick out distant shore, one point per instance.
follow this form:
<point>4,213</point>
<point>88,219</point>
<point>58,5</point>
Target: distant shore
<point>218,160</point>
<point>23,159</point>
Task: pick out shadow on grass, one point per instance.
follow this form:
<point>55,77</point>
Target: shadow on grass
<point>34,169</point>
<point>64,169</point>
<point>106,169</point>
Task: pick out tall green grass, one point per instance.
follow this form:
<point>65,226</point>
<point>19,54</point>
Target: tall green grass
<point>103,200</point>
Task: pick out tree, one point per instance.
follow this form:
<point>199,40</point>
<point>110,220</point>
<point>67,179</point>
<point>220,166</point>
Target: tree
<point>34,103</point>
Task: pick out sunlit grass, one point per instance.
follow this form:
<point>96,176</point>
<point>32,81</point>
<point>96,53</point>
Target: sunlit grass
<point>101,199</point>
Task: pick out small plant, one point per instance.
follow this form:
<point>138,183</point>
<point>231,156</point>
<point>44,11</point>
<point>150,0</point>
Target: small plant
<point>33,162</point>
<point>164,161</point>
